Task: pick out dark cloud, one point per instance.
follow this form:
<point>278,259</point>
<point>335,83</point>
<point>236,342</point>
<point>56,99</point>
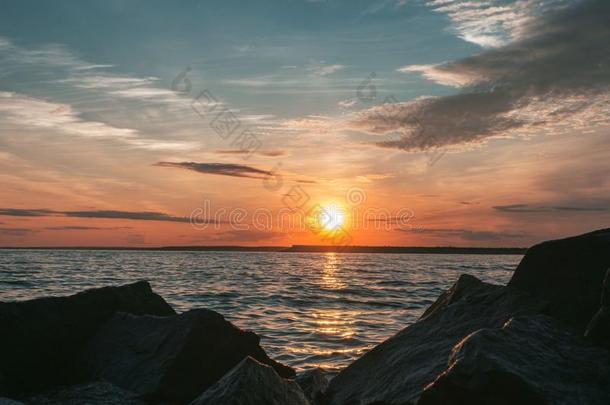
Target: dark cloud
<point>18,212</point>
<point>16,231</point>
<point>394,220</point>
<point>556,76</point>
<point>223,169</point>
<point>234,236</point>
<point>525,208</point>
<point>106,214</point>
<point>519,208</point>
<point>267,153</point>
<point>466,234</point>
<point>84,228</point>
<point>111,214</point>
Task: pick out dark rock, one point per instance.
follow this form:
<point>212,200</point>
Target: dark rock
<point>96,393</point>
<point>171,358</point>
<point>598,329</point>
<point>314,384</point>
<point>569,273</point>
<point>397,370</point>
<point>531,360</point>
<point>41,338</point>
<point>7,401</point>
<point>252,383</point>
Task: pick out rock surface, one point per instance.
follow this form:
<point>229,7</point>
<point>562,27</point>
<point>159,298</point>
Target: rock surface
<point>598,329</point>
<point>7,401</point>
<point>569,273</point>
<point>397,370</point>
<point>314,384</point>
<point>252,383</point>
<point>171,358</point>
<point>530,360</point>
<point>41,338</point>
<point>96,393</point>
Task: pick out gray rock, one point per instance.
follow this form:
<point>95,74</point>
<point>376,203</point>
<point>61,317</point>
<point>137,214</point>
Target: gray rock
<point>41,338</point>
<point>171,359</point>
<point>531,360</point>
<point>8,401</point>
<point>569,273</point>
<point>252,383</point>
<point>397,370</point>
<point>314,384</point>
<point>598,329</point>
<point>96,393</point>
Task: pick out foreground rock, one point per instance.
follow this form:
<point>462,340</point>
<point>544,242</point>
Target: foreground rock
<point>569,273</point>
<point>314,384</point>
<point>7,401</point>
<point>171,359</point>
<point>41,338</point>
<point>252,383</point>
<point>398,370</point>
<point>96,393</point>
<point>530,360</point>
<point>598,329</point>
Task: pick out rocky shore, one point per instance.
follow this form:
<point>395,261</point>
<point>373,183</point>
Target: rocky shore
<point>542,339</point>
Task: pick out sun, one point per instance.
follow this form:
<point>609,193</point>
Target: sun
<point>331,217</point>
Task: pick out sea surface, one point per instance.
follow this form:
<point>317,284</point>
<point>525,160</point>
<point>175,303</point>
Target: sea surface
<point>311,309</point>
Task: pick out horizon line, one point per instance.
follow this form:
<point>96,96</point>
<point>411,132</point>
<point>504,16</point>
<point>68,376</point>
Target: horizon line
<point>293,248</point>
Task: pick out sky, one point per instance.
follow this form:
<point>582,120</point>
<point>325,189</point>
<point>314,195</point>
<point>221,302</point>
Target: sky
<point>279,122</point>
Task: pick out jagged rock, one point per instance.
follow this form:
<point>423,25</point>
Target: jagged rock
<point>41,338</point>
<point>599,327</point>
<point>530,360</point>
<point>96,393</point>
<point>8,401</point>
<point>252,383</point>
<point>569,273</point>
<point>171,358</point>
<point>397,370</point>
<point>314,383</point>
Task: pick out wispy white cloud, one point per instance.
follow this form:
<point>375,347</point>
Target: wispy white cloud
<point>105,81</point>
<point>446,77</point>
<point>37,113</point>
<point>71,70</point>
<point>493,23</point>
<point>22,111</point>
<point>326,70</point>
<point>48,55</point>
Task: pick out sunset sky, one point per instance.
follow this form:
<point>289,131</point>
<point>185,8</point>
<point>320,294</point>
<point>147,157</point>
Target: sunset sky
<point>416,122</point>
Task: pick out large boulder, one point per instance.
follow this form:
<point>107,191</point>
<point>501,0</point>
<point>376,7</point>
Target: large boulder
<point>94,393</point>
<point>569,273</point>
<point>170,358</point>
<point>41,338</point>
<point>397,370</point>
<point>8,401</point>
<point>252,383</point>
<point>314,384</point>
<point>598,329</point>
<point>530,360</point>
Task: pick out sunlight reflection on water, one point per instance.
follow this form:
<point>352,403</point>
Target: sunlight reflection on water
<point>310,309</point>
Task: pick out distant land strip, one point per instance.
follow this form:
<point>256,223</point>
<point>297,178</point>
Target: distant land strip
<point>310,249</point>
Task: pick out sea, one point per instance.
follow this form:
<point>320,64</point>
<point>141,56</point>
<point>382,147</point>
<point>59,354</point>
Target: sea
<point>310,309</point>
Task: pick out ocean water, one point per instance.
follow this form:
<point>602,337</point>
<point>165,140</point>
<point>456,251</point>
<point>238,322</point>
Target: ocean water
<point>310,309</point>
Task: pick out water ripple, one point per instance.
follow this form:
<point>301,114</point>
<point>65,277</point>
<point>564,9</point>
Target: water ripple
<point>310,309</point>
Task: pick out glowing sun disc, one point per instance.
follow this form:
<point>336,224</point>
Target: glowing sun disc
<point>331,217</point>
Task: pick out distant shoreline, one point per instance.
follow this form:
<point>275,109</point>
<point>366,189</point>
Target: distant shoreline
<point>304,249</point>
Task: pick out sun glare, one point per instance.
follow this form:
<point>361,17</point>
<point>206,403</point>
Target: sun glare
<point>331,217</point>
